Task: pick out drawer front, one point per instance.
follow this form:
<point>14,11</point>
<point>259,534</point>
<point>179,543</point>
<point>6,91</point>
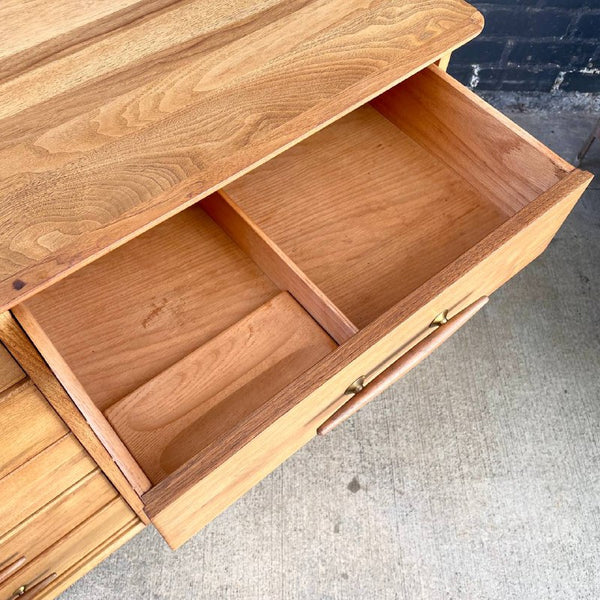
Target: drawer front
<point>56,519</point>
<point>492,262</point>
<point>50,566</point>
<point>185,502</point>
<point>29,425</point>
<point>42,479</point>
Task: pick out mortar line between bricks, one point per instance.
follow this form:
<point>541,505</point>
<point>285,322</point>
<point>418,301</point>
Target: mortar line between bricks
<point>513,57</point>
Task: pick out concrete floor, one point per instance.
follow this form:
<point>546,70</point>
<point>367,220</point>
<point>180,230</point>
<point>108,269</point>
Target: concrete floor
<point>476,477</point>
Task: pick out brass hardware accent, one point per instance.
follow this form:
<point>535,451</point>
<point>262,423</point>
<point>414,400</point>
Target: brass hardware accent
<point>357,386</point>
<point>400,367</point>
<point>29,592</point>
<point>18,592</point>
<point>440,319</point>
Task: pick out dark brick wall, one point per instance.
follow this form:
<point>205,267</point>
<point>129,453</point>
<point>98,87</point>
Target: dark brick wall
<point>533,45</point>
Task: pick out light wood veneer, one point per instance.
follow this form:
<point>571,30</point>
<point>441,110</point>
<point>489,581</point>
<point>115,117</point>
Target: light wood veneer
<point>57,518</point>
<point>78,543</point>
<point>41,479</point>
<point>59,514</point>
<point>115,118</point>
<point>29,425</point>
<point>379,202</point>
<point>16,341</point>
<point>182,504</point>
<point>208,393</point>
<point>366,212</point>
<point>10,372</point>
<point>134,313</point>
<point>214,218</point>
<point>202,352</point>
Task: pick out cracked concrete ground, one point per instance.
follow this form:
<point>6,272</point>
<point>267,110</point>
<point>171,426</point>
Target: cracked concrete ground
<point>475,477</point>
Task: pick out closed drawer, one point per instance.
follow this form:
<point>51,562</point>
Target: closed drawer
<point>79,544</point>
<point>54,520</point>
<point>204,359</point>
<point>29,425</point>
<point>41,479</point>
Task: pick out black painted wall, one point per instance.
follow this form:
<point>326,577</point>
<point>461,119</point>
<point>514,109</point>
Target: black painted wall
<point>533,45</point>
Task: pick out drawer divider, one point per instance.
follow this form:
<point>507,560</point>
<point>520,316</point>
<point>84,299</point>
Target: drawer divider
<point>278,266</point>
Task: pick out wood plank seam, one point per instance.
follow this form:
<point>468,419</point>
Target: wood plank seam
<point>81,527</point>
<point>56,500</point>
<point>90,560</point>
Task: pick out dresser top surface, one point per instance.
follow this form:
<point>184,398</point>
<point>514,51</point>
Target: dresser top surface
<point>115,115</point>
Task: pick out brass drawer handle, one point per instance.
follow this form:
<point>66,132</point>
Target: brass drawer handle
<point>29,592</point>
<point>12,568</point>
<point>365,393</point>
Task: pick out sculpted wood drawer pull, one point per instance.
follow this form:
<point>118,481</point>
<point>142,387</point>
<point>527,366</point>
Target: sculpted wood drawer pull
<point>399,368</point>
<point>12,568</point>
<point>30,592</point>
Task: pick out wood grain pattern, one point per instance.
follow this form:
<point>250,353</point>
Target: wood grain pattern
<point>73,547</point>
<point>41,479</point>
<point>29,358</point>
<point>198,400</point>
<point>10,372</point>
<point>114,120</point>
<point>482,145</point>
<point>93,416</point>
<point>79,569</point>
<point>29,424</point>
<point>132,314</point>
<point>277,265</point>
<point>482,255</point>
<point>365,212</point>
<point>196,492</point>
<point>57,518</point>
<point>187,500</point>
<point>59,28</point>
<point>111,327</point>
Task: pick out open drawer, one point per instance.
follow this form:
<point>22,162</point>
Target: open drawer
<point>207,350</point>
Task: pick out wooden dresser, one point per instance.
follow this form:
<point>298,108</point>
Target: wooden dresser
<point>224,228</point>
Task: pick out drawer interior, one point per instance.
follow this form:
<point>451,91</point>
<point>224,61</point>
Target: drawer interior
<point>127,317</point>
<point>177,338</point>
<point>215,388</point>
<point>381,201</point>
